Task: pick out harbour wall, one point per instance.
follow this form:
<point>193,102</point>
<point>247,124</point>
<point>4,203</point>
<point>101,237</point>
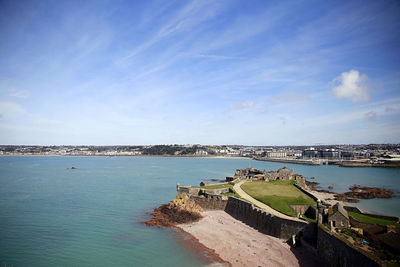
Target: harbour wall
<point>293,161</point>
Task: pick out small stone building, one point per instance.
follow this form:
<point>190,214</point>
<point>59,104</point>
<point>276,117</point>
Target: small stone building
<point>248,173</point>
<point>338,217</point>
<point>285,174</point>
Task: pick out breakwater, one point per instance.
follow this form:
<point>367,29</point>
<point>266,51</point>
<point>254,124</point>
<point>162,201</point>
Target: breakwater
<point>293,161</point>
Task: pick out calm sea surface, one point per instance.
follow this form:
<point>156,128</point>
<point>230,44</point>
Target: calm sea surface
<point>54,216</point>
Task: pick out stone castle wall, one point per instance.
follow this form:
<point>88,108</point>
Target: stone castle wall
<point>300,209</point>
<point>188,190</point>
<point>263,221</point>
<point>211,202</point>
<point>330,249</point>
<point>196,191</point>
<point>306,192</point>
<point>336,253</point>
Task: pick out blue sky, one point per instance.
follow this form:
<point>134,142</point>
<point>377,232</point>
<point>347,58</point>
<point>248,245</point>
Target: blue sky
<point>208,72</point>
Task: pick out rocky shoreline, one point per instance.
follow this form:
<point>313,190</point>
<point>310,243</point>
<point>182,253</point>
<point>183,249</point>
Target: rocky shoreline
<point>181,210</point>
<point>356,192</point>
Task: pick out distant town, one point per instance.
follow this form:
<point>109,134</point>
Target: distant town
<point>344,155</point>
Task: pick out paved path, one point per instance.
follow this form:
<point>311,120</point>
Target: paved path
<point>261,205</point>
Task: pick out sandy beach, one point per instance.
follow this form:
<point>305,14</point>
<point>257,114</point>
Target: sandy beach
<point>241,245</point>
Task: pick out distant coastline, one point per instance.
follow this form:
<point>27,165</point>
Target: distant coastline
<point>371,155</point>
<point>128,156</point>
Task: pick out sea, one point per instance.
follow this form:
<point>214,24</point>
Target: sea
<point>52,215</point>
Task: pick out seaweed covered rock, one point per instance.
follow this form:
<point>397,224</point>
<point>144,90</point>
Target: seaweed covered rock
<point>180,210</point>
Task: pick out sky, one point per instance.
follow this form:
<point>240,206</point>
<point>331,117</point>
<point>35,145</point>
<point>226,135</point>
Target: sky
<point>199,72</point>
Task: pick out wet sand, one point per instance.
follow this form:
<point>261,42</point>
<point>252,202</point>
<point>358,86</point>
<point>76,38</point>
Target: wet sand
<point>241,245</point>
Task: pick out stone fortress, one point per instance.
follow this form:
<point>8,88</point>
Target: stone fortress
<point>320,237</point>
<point>281,174</point>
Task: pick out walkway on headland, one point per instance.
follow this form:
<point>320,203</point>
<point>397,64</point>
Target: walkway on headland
<point>261,205</point>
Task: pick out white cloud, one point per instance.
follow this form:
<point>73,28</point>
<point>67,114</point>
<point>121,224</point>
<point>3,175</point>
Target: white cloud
<point>18,93</point>
<point>243,105</point>
<point>371,115</point>
<point>351,85</point>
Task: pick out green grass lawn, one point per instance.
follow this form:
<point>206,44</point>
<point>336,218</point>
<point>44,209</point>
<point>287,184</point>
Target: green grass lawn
<point>369,219</point>
<point>278,194</point>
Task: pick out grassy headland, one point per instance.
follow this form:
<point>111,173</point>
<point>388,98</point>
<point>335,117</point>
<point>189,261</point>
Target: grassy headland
<point>278,195</point>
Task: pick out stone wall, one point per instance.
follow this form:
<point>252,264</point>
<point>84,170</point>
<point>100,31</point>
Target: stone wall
<point>188,190</point>
<point>300,180</point>
<point>330,249</point>
<point>300,209</point>
<point>211,202</point>
<point>215,191</point>
<point>262,221</point>
<point>196,191</point>
<point>306,192</point>
<point>336,253</point>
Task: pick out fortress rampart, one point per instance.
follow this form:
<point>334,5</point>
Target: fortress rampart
<point>328,248</point>
<point>261,220</point>
<point>336,253</point>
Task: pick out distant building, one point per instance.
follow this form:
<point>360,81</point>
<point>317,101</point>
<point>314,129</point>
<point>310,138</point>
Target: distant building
<point>201,152</point>
<point>246,153</point>
<point>276,154</point>
<point>310,153</point>
<point>347,155</point>
<point>329,154</point>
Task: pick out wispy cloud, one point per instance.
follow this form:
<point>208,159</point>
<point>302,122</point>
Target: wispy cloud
<point>188,68</point>
<point>222,57</point>
<point>389,109</point>
<point>192,14</point>
<point>243,105</point>
<point>370,115</point>
<point>292,97</point>
<point>19,93</point>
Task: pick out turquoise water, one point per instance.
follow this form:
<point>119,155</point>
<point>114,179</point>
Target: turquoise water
<point>54,216</point>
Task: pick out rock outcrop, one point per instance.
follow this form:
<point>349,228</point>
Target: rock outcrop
<point>180,210</point>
